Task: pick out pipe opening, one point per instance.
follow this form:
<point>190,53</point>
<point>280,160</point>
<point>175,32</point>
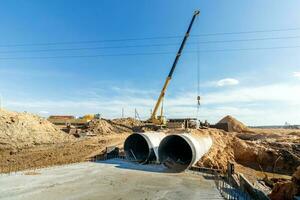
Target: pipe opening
<point>175,153</point>
<point>136,148</point>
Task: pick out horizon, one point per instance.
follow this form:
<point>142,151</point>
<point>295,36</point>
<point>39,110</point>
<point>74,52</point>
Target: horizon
<point>101,58</point>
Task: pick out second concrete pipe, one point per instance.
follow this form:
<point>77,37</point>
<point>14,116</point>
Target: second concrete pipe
<point>180,151</point>
<point>176,151</point>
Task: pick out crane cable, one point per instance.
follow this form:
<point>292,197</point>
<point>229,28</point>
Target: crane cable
<point>198,81</point>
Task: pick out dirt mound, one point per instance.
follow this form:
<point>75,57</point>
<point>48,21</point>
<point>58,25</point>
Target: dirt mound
<point>105,126</point>
<point>287,189</point>
<point>233,124</point>
<point>100,126</point>
<point>221,151</point>
<point>57,154</point>
<point>127,122</point>
<point>21,130</point>
<point>259,154</point>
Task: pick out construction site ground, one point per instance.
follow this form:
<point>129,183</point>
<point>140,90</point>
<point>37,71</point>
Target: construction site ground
<point>111,179</point>
<point>79,150</point>
<point>264,156</point>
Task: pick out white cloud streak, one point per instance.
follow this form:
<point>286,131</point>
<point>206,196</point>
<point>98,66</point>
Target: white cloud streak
<point>221,83</point>
<point>268,104</point>
<point>227,82</point>
<point>43,112</point>
<point>296,74</point>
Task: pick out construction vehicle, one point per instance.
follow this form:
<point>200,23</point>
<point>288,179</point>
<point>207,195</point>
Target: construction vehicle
<point>161,120</point>
<point>72,120</point>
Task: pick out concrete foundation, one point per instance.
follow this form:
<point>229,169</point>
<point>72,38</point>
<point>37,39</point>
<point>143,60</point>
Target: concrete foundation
<point>109,180</point>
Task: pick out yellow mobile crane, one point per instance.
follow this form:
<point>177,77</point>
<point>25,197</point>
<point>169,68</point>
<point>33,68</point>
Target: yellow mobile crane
<point>161,120</point>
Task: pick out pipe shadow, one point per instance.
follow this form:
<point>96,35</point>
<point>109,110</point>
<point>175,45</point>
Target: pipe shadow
<point>209,177</point>
<point>123,164</point>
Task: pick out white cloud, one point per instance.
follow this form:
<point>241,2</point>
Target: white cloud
<point>284,93</point>
<point>44,112</point>
<point>296,74</point>
<point>267,104</point>
<point>227,82</point>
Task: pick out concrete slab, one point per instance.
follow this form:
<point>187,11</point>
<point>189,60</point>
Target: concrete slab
<point>112,179</point>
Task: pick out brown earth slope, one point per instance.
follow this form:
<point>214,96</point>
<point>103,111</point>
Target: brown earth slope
<point>28,141</point>
<point>273,150</point>
<point>106,126</point>
<point>24,130</point>
<point>287,189</point>
<point>57,154</point>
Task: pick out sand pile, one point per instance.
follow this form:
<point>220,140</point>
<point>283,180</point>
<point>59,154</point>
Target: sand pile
<point>271,157</point>
<point>221,151</point>
<point>233,124</point>
<point>100,126</point>
<point>104,126</point>
<point>127,122</point>
<point>287,189</point>
<point>19,130</point>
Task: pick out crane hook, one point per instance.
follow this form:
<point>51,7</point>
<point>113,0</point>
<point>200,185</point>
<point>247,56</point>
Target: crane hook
<point>198,99</point>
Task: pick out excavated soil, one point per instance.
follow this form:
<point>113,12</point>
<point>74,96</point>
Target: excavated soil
<point>275,155</point>
<point>24,130</point>
<point>287,189</point>
<point>28,141</point>
<point>262,156</point>
<point>129,122</point>
<point>57,154</point>
<point>270,150</point>
<point>221,151</point>
<point>100,127</point>
<point>233,124</point>
<point>106,126</point>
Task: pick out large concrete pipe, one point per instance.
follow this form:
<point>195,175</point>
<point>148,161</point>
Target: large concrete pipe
<point>180,151</point>
<point>143,147</point>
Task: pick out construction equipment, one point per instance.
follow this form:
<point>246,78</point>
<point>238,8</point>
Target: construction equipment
<point>72,120</point>
<point>161,120</point>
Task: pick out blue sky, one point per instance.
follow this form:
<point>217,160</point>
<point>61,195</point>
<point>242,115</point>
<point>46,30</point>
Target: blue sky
<point>258,86</point>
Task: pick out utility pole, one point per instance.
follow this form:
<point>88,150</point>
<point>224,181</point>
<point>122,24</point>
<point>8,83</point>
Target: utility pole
<point>122,112</point>
<point>136,114</point>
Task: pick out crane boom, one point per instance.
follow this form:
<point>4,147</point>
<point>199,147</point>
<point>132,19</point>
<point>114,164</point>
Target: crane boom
<point>154,118</point>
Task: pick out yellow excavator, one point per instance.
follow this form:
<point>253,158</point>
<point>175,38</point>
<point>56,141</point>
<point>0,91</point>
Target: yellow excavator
<point>161,120</point>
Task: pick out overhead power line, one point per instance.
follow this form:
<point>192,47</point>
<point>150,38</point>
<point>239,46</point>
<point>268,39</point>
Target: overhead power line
<point>150,45</point>
<point>247,32</point>
<point>148,38</point>
<point>149,53</point>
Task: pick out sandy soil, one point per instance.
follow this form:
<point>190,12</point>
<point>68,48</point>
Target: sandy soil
<point>29,141</point>
<point>255,150</point>
<point>24,130</point>
<point>57,154</point>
